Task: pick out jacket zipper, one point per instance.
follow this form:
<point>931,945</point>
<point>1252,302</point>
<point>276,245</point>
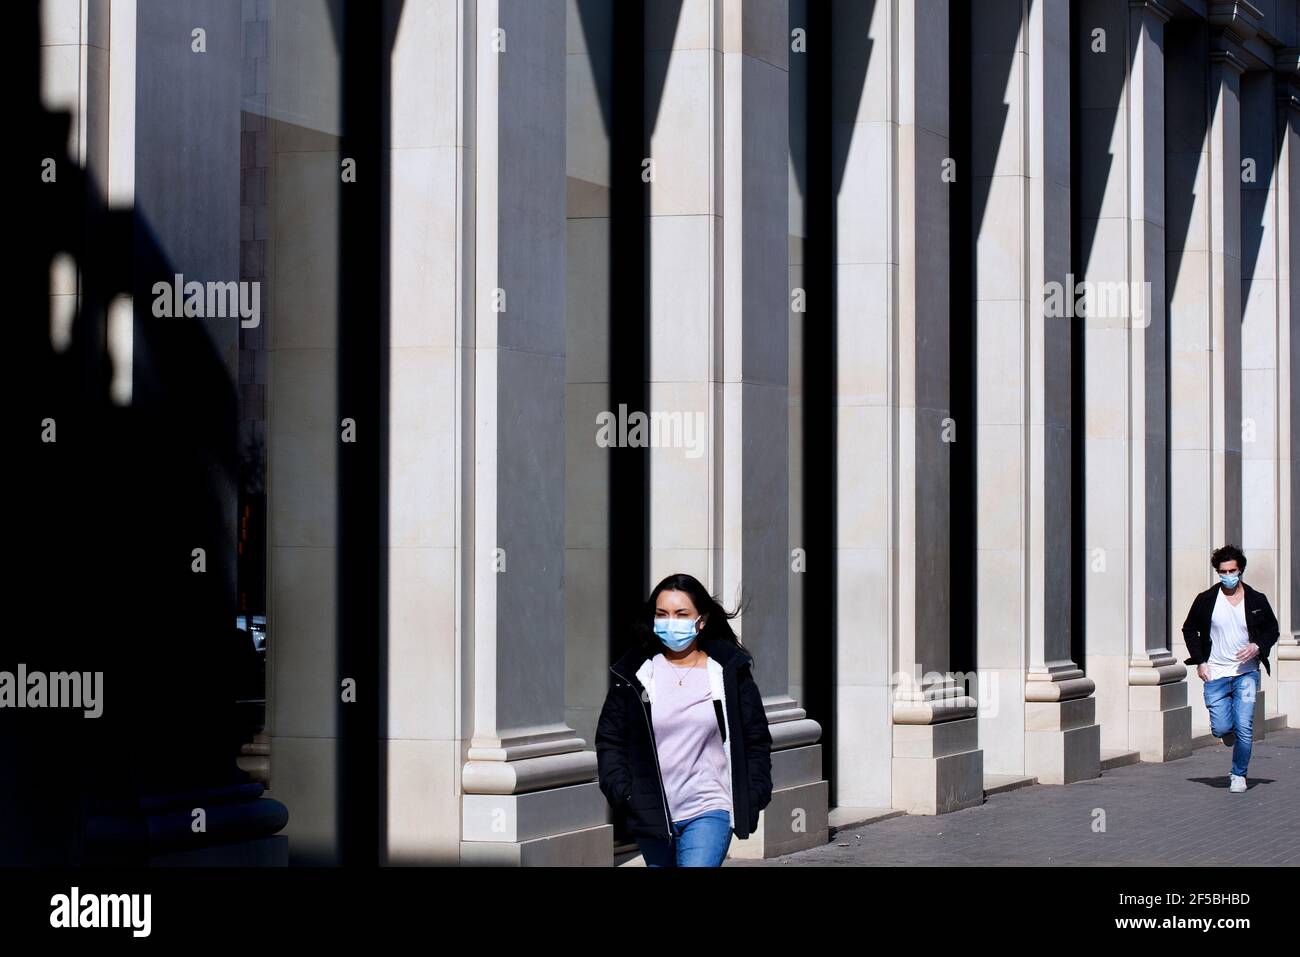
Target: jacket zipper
<point>727,747</point>
<point>654,746</point>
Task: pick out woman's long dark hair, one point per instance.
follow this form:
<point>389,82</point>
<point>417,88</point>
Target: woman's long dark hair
<point>717,621</point>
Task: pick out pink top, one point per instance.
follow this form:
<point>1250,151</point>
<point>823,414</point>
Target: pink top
<point>691,758</point>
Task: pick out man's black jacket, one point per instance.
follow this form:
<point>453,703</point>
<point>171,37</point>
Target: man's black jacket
<point>628,762</point>
<point>1261,624</point>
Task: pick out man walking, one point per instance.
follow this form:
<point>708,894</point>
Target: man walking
<point>1229,630</point>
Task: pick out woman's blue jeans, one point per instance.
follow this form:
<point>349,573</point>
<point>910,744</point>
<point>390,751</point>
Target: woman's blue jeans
<point>1231,703</point>
<point>699,841</point>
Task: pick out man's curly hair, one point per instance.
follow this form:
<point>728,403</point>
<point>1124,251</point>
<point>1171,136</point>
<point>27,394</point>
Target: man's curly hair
<point>1228,553</point>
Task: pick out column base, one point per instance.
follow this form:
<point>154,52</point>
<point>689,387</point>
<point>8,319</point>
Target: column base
<point>264,852</point>
<point>305,780</point>
<point>1062,740</point>
<point>1288,682</point>
<point>798,817</point>
<point>588,847</point>
<point>796,820</point>
<point>937,768</point>
<point>1160,721</point>
<point>799,814</point>
<point>553,827</point>
<point>522,808</point>
<point>521,818</point>
<point>1288,702</point>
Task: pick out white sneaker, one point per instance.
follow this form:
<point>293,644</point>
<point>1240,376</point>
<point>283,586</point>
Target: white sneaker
<point>1236,783</point>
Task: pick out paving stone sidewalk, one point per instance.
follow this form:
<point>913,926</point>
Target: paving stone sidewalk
<point>1173,814</point>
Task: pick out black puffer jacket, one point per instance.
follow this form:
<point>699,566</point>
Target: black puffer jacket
<point>628,761</point>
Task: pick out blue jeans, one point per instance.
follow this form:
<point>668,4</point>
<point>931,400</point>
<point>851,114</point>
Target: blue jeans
<point>699,841</point>
<point>1231,702</point>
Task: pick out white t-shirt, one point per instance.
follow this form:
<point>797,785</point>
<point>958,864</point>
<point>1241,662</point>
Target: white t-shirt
<point>1228,635</point>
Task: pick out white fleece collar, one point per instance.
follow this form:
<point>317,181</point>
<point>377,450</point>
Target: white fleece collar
<point>645,675</point>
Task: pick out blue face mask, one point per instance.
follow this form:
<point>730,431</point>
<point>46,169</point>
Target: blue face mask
<point>1229,581</point>
<point>676,633</point>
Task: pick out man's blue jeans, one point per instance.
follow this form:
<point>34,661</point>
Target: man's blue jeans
<point>1231,702</point>
<point>699,841</point>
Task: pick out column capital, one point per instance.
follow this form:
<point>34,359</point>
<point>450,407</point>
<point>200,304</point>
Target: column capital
<point>1233,22</point>
<point>1286,68</point>
<point>1288,97</point>
<point>1237,17</point>
<point>1226,50</point>
<point>1156,9</point>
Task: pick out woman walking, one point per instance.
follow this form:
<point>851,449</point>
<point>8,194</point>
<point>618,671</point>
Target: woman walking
<point>682,743</point>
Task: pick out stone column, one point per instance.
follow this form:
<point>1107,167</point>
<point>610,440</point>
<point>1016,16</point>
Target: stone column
<point>1141,690</point>
<point>530,795</point>
<point>1042,721</point>
<point>1203,209</point>
<point>1261,477</point>
<point>1226,67</point>
<point>300,312</point>
<point>683,110</point>
<point>587,391</point>
<point>1187,302</point>
<point>1288,221</point>
<point>717,91</point>
<point>799,217</point>
<point>428,212</point>
<point>863,220</point>
<point>937,765</point>
<point>752,489</point>
<point>1159,718</point>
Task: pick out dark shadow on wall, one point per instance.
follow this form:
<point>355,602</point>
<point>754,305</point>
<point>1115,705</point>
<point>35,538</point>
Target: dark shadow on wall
<point>994,32</point>
<point>364,34</point>
<point>110,502</point>
<point>1099,80</point>
<point>1090,155</point>
<point>961,352</point>
<point>1188,115</point>
<point>1094,114</point>
<point>620,90</point>
<point>629,104</point>
<point>1187,121</point>
<point>835,64</point>
<point>1261,143</point>
<point>629,119</point>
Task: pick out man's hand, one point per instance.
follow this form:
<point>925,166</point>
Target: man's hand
<point>1203,672</point>
<point>1250,651</point>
